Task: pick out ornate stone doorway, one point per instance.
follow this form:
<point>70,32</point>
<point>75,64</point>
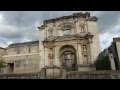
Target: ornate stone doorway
<point>68,58</point>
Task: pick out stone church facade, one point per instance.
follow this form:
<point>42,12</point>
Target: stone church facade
<point>69,42</point>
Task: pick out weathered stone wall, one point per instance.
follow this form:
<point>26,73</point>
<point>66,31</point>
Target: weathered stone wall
<point>21,76</point>
<point>11,51</point>
<point>2,52</point>
<point>69,75</point>
<point>118,49</point>
<point>34,49</point>
<point>93,75</point>
<point>23,63</point>
<point>95,45</point>
<point>23,56</point>
<point>23,49</point>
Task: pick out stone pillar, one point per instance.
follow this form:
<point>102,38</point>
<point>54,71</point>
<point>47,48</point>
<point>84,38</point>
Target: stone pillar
<point>112,61</point>
<point>56,59</point>
<point>77,54</point>
<point>46,57</point>
<point>77,28</point>
<point>90,52</point>
<point>80,57</point>
<point>80,54</point>
<point>41,60</point>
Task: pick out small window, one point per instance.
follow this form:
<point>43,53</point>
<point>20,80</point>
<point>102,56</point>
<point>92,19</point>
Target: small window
<point>67,32</point>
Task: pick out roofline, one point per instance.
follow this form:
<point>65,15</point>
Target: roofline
<point>2,48</point>
<point>116,39</point>
<point>23,43</point>
<point>74,15</point>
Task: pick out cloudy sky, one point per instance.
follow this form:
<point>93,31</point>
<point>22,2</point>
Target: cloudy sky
<point>21,26</point>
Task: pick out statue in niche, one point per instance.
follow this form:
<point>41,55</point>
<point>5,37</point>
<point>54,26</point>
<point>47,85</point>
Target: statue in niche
<point>51,56</point>
<point>82,26</point>
<point>50,33</point>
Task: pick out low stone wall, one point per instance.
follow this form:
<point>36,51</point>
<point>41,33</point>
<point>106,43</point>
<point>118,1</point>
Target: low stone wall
<point>66,75</point>
<point>51,72</point>
<point>20,76</point>
<point>94,75</point>
<point>45,73</point>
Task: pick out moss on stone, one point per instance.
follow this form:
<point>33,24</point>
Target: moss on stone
<point>54,77</point>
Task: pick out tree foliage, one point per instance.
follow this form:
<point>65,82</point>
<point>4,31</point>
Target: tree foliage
<point>103,63</point>
<point>2,64</point>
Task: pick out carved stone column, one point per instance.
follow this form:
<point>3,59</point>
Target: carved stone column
<point>57,61</point>
<point>90,51</point>
<point>80,54</point>
<point>51,56</point>
<point>41,62</point>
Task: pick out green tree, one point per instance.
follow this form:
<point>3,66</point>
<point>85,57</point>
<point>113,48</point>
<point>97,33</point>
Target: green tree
<point>103,63</point>
<point>2,65</point>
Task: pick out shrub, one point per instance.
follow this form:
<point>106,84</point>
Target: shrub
<point>103,63</point>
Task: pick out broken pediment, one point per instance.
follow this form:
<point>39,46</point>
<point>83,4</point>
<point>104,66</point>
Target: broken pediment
<point>93,18</point>
<point>66,26</point>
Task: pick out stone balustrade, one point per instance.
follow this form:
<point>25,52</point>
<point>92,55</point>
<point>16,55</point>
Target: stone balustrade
<point>94,75</point>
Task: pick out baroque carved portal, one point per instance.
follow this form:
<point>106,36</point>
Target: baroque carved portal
<point>68,58</point>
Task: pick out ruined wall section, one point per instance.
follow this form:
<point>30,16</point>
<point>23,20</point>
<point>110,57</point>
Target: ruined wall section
<point>23,56</point>
<point>2,51</point>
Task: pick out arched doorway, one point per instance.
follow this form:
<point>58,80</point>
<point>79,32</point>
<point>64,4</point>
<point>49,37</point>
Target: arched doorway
<point>68,58</point>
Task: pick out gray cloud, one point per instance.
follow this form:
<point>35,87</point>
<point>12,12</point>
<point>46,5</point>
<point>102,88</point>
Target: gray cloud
<point>108,20</point>
<point>20,26</point>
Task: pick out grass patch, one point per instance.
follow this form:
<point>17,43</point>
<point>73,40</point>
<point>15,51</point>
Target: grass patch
<point>54,77</point>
